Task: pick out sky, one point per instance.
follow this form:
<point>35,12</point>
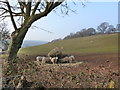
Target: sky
<point>58,25</point>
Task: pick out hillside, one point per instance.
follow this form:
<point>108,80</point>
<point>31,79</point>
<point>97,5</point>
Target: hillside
<point>107,43</point>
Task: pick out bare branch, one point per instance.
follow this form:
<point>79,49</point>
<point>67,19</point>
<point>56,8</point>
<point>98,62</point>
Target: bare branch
<point>23,3</point>
<point>2,18</point>
<point>3,13</point>
<point>50,6</point>
<point>22,6</point>
<point>11,15</point>
<point>57,3</point>
<point>28,8</point>
<point>1,8</point>
<point>36,6</point>
<point>46,1</point>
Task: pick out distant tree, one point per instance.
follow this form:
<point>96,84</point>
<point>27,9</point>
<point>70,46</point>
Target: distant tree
<point>78,34</point>
<point>67,37</point>
<point>82,33</point>
<point>4,36</point>
<point>87,32</point>
<point>71,35</point>
<point>102,28</point>
<point>83,30</point>
<point>91,31</point>
<point>110,29</point>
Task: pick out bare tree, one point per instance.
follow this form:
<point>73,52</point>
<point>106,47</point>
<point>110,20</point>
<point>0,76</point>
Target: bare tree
<point>103,27</point>
<point>91,31</point>
<point>4,36</point>
<point>26,12</point>
<point>110,29</point>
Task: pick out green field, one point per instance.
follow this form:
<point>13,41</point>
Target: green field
<point>107,43</point>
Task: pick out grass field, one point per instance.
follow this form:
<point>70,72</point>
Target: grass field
<point>107,43</point>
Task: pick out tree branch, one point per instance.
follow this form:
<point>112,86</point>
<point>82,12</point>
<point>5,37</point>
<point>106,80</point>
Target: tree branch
<point>50,6</point>
<point>23,3</point>
<point>22,6</point>
<point>4,10</point>
<point>28,8</point>
<point>3,13</point>
<point>11,15</point>
<point>57,3</point>
<point>46,1</point>
<point>36,6</point>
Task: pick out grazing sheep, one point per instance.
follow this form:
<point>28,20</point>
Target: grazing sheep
<point>71,58</point>
<point>54,59</point>
<point>67,59</point>
<point>46,60</point>
<point>39,58</point>
<point>64,60</point>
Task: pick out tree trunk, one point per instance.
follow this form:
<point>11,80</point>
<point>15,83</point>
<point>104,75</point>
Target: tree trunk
<point>15,44</point>
<point>13,48</point>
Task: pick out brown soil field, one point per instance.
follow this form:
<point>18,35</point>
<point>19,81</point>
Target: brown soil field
<point>89,71</point>
<point>92,60</point>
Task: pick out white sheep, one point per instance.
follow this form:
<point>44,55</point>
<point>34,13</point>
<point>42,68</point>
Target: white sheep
<point>46,60</point>
<point>71,58</point>
<point>39,58</point>
<point>54,59</point>
<point>64,60</point>
<point>67,59</point>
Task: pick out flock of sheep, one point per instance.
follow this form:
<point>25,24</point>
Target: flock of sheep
<point>55,56</point>
<point>66,59</point>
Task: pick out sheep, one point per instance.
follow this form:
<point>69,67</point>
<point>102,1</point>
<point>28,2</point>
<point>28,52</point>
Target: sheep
<point>46,60</point>
<point>67,59</point>
<point>71,58</point>
<point>39,58</point>
<point>64,60</point>
<point>54,59</point>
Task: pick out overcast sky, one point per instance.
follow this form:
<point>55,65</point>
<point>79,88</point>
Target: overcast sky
<point>91,15</point>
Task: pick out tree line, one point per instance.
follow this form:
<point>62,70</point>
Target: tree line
<point>103,28</point>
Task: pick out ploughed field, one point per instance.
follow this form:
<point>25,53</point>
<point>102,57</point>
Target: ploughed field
<point>90,71</point>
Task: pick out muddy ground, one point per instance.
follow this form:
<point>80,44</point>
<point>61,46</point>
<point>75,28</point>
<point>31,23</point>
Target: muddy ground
<point>90,71</point>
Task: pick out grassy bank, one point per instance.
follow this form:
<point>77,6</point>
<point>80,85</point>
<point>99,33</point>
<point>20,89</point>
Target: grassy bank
<point>107,43</point>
